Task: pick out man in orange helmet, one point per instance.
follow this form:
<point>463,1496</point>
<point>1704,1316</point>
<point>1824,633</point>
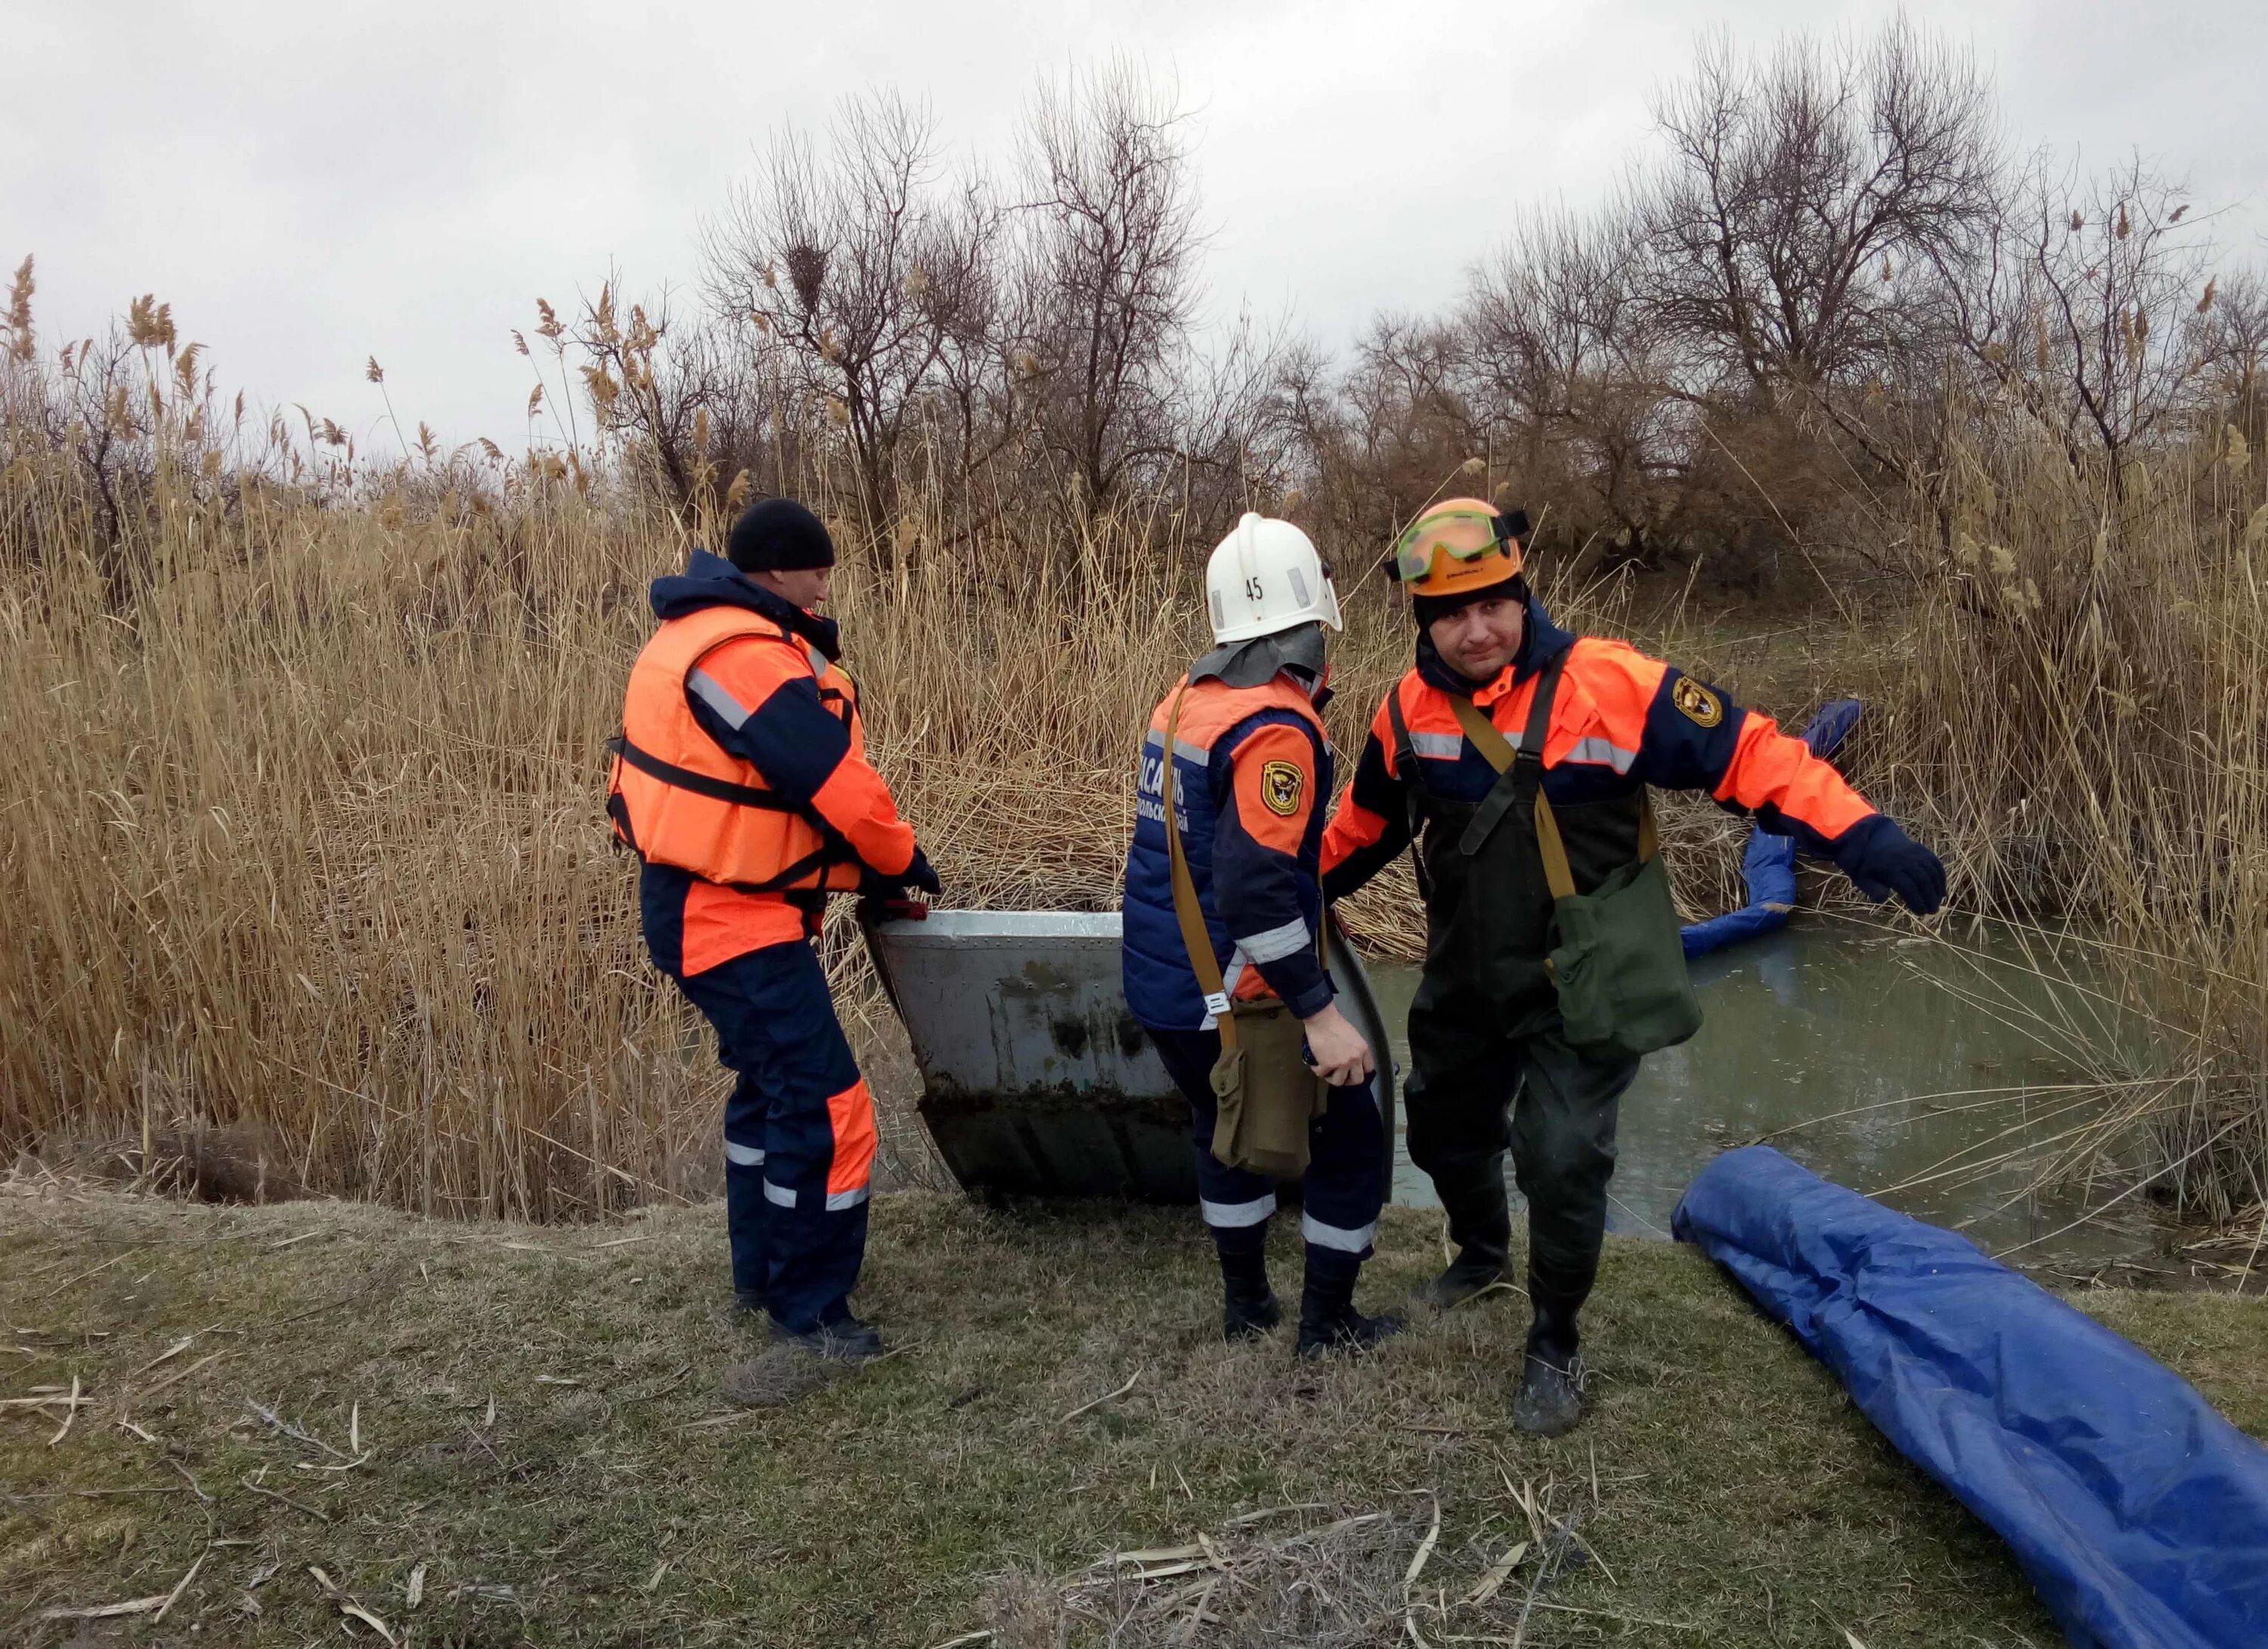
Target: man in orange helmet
<point>1589,724</point>
<point>741,781</point>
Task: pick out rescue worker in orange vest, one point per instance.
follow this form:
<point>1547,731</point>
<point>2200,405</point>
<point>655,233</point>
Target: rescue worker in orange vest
<point>1494,1068</point>
<point>1243,739</point>
<point>740,779</point>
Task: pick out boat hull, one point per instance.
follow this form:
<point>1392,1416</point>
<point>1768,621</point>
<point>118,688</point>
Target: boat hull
<point>1036,1080</point>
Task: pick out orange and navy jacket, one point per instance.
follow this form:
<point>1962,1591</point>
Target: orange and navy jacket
<point>1251,767</point>
<point>1621,720</point>
<point>738,695</point>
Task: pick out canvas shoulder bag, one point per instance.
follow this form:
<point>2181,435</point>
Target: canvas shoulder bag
<point>1618,960</point>
<point>1266,1093</point>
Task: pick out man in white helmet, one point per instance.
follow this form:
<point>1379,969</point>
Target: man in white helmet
<point>1242,741</point>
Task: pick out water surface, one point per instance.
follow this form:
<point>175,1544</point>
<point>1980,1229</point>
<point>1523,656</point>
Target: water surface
<point>1852,1055</point>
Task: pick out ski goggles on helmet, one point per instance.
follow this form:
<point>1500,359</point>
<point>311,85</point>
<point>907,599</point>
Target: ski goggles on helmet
<point>1463,533</point>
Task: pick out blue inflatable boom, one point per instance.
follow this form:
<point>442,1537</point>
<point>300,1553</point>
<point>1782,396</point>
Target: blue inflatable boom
<point>1768,867</point>
<point>2137,1512</point>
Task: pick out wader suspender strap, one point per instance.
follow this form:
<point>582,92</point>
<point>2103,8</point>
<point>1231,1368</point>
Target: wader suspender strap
<point>1413,787</point>
<point>1497,751</point>
<point>1195,937</point>
<point>1405,761</point>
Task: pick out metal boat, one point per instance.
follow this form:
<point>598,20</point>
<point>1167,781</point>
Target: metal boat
<point>1036,1081</point>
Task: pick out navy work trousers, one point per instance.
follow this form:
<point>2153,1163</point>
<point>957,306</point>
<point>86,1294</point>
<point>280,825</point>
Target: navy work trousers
<point>1340,1194</point>
<point>798,1132</point>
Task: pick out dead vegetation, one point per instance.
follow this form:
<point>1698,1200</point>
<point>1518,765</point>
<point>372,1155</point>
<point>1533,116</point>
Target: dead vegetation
<point>1299,1574</point>
<point>269,1425</point>
<point>304,849</point>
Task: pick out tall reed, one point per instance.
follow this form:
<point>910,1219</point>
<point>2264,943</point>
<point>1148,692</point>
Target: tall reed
<point>2084,706</point>
<point>304,841</point>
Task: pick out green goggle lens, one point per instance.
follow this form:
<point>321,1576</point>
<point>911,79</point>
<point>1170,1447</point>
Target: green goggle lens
<point>1414,549</point>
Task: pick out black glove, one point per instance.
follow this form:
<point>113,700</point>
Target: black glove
<point>1882,860</point>
<point>873,884</point>
<point>918,874</point>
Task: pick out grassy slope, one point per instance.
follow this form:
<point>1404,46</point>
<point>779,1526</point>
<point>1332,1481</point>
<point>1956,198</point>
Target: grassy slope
<point>1737,1493</point>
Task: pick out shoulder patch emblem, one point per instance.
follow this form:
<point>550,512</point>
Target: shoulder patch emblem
<point>1702,707</point>
<point>1281,785</point>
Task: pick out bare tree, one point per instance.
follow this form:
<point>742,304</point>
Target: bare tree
<point>1564,353</point>
<point>1387,433</point>
<point>1798,186</point>
<point>2232,334</point>
<point>1110,248</point>
<point>859,263</point>
<point>2090,309</point>
<point>1674,369</point>
<point>967,294</point>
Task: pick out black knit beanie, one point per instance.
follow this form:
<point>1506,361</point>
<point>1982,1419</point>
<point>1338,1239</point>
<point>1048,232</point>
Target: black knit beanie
<point>1426,608</point>
<point>778,535</point>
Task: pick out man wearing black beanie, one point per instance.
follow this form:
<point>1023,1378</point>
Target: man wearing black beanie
<point>1515,759</point>
<point>778,535</point>
<point>741,781</point>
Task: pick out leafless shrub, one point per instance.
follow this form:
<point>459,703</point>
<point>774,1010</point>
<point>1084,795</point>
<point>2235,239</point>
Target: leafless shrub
<point>668,393</point>
<point>2091,309</point>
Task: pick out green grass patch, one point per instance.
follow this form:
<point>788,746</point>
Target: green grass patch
<point>527,1420</point>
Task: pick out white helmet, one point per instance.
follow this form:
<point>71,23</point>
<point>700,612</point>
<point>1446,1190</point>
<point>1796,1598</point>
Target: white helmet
<point>1266,577</point>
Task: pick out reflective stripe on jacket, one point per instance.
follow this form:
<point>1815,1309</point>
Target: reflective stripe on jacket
<point>1252,768</point>
<point>679,798</point>
<point>1621,719</point>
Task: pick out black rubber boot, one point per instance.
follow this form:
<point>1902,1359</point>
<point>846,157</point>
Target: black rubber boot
<point>1248,1306</point>
<point>845,1340</point>
<point>1550,1401</point>
<point>751,1299</point>
<point>1329,1322</point>
<point>1480,1224</point>
<point>1550,1397</point>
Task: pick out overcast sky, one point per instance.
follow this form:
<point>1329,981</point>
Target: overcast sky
<point>309,185</point>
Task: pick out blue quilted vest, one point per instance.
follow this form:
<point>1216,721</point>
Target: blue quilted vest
<point>1162,987</point>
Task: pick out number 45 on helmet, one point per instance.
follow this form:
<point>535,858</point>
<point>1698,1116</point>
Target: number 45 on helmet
<point>1266,577</point>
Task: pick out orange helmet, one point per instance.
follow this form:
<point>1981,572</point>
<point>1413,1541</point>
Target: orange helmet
<point>1456,546</point>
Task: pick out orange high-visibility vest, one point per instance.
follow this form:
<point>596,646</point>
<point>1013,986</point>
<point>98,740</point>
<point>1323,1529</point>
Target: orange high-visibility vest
<point>679,798</point>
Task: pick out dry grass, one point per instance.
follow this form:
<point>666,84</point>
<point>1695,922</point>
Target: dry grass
<point>305,846</point>
<point>2085,711</point>
<point>522,1425</point>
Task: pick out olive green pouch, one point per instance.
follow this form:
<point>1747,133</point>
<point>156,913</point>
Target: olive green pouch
<point>1618,962</point>
<point>1268,1094</point>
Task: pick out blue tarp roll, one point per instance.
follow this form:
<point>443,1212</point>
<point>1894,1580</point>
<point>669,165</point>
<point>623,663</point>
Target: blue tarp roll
<point>2139,1514</point>
<point>1768,865</point>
